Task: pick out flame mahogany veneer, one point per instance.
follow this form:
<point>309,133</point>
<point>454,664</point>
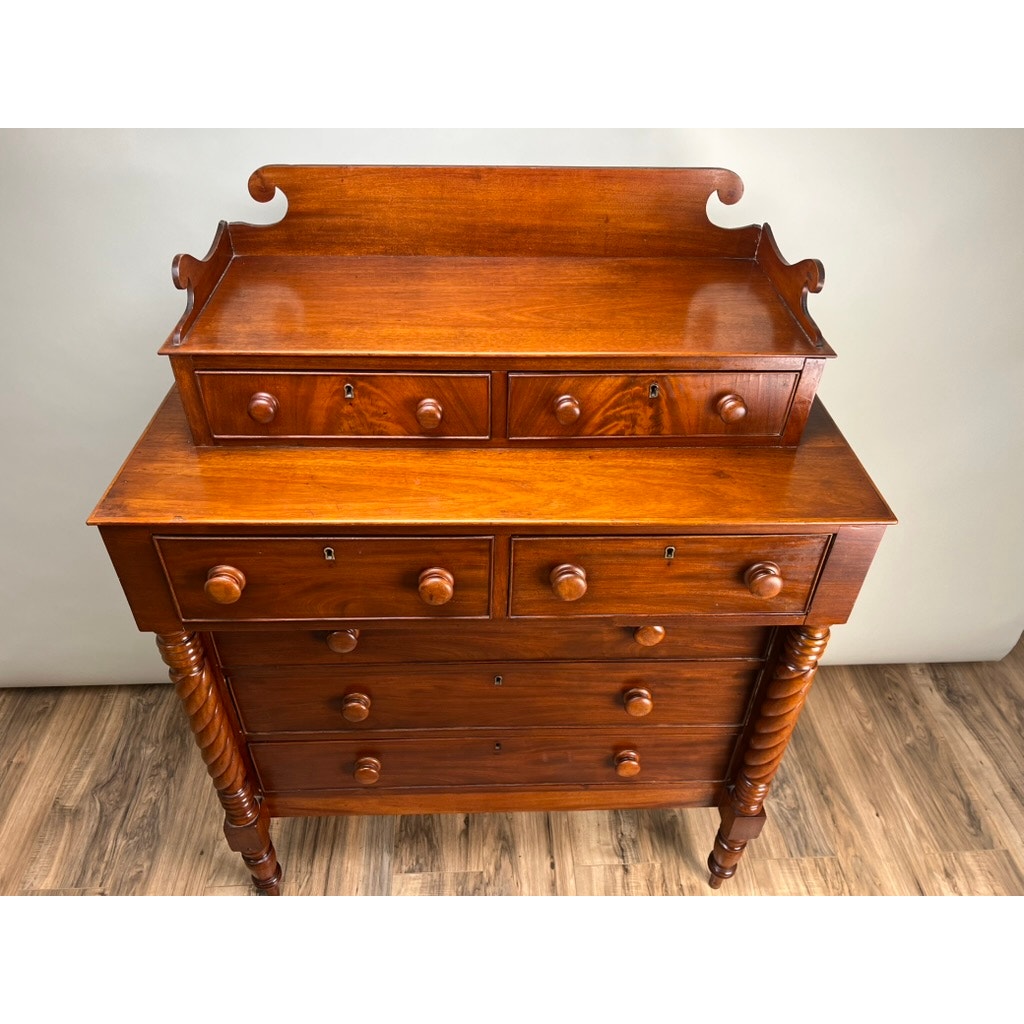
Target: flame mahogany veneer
<point>492,489</point>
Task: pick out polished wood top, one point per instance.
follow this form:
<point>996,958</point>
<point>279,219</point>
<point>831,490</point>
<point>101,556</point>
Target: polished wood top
<point>168,482</point>
<point>465,308</point>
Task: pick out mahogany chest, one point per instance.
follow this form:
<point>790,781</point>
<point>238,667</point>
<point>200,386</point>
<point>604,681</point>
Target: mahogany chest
<point>492,489</point>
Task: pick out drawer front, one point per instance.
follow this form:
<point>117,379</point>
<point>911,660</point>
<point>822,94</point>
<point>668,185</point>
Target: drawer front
<point>267,579</point>
<point>495,759</point>
<point>346,405</point>
<point>381,643</point>
<point>649,405</point>
<point>570,576</point>
<point>494,695</point>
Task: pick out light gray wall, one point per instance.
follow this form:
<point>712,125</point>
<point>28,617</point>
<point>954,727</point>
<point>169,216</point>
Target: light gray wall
<point>922,238</point>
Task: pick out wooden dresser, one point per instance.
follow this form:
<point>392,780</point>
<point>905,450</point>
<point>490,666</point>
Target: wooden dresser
<point>492,489</point>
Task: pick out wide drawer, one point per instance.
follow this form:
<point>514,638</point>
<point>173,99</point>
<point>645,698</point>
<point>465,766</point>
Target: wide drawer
<point>346,405</point>
<point>267,579</point>
<point>569,576</point>
<point>495,694</point>
<point>495,759</point>
<point>381,642</point>
<point>649,405</point>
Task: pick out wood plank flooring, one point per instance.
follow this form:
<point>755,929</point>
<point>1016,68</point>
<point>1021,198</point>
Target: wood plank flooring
<point>901,780</point>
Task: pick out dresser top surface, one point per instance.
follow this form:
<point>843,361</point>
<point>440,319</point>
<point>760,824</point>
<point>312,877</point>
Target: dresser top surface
<point>168,482</point>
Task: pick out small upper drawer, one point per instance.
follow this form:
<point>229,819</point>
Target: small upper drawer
<point>268,579</point>
<point>346,405</point>
<point>558,576</point>
<point>741,405</point>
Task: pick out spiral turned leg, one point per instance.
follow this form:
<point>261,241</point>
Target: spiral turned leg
<point>743,809</point>
<point>246,823</point>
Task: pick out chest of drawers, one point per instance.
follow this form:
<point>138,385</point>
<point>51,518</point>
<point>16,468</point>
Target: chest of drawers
<point>492,489</point>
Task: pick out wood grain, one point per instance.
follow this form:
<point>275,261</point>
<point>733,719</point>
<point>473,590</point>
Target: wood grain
<point>100,793</point>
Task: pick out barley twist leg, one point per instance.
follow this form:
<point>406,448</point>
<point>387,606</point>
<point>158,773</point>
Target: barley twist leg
<point>743,809</point>
<point>246,823</point>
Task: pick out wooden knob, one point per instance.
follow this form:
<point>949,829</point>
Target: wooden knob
<point>343,641</point>
<point>224,584</point>
<point>367,771</point>
<point>569,582</point>
<point>355,707</point>
<point>649,636</point>
<point>436,586</point>
<point>627,764</point>
<point>638,702</point>
<point>731,408</point>
<point>429,413</point>
<point>567,409</point>
<point>763,579</point>
<point>262,407</point>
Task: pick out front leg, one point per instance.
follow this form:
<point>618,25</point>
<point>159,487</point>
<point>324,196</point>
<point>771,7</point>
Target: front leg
<point>743,808</point>
<point>246,822</point>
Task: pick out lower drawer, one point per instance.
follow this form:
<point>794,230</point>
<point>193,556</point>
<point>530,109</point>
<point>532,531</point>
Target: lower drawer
<point>542,757</point>
<point>495,695</point>
<point>382,642</point>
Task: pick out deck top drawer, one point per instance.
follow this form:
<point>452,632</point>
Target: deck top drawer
<point>266,579</point>
<point>680,405</point>
<point>325,405</point>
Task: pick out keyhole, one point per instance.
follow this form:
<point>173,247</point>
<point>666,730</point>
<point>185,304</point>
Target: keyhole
<point>654,391</point>
<point>498,680</point>
<point>670,553</point>
<point>350,391</point>
<point>329,554</point>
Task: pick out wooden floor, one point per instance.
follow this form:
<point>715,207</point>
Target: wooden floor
<point>901,780</point>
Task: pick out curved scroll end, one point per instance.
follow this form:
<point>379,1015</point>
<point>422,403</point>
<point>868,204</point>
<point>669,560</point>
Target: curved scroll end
<point>261,184</point>
<point>198,278</point>
<point>729,187</point>
<point>793,282</point>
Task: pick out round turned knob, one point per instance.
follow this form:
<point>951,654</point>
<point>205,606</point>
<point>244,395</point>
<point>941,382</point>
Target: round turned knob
<point>355,707</point>
<point>343,641</point>
<point>627,764</point>
<point>429,413</point>
<point>224,584</point>
<point>367,771</point>
<point>649,636</point>
<point>262,407</point>
<point>763,579</point>
<point>436,586</point>
<point>731,408</point>
<point>638,702</point>
<point>567,409</point>
<point>569,582</point>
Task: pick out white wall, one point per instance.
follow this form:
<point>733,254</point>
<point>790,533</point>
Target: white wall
<point>922,238</point>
